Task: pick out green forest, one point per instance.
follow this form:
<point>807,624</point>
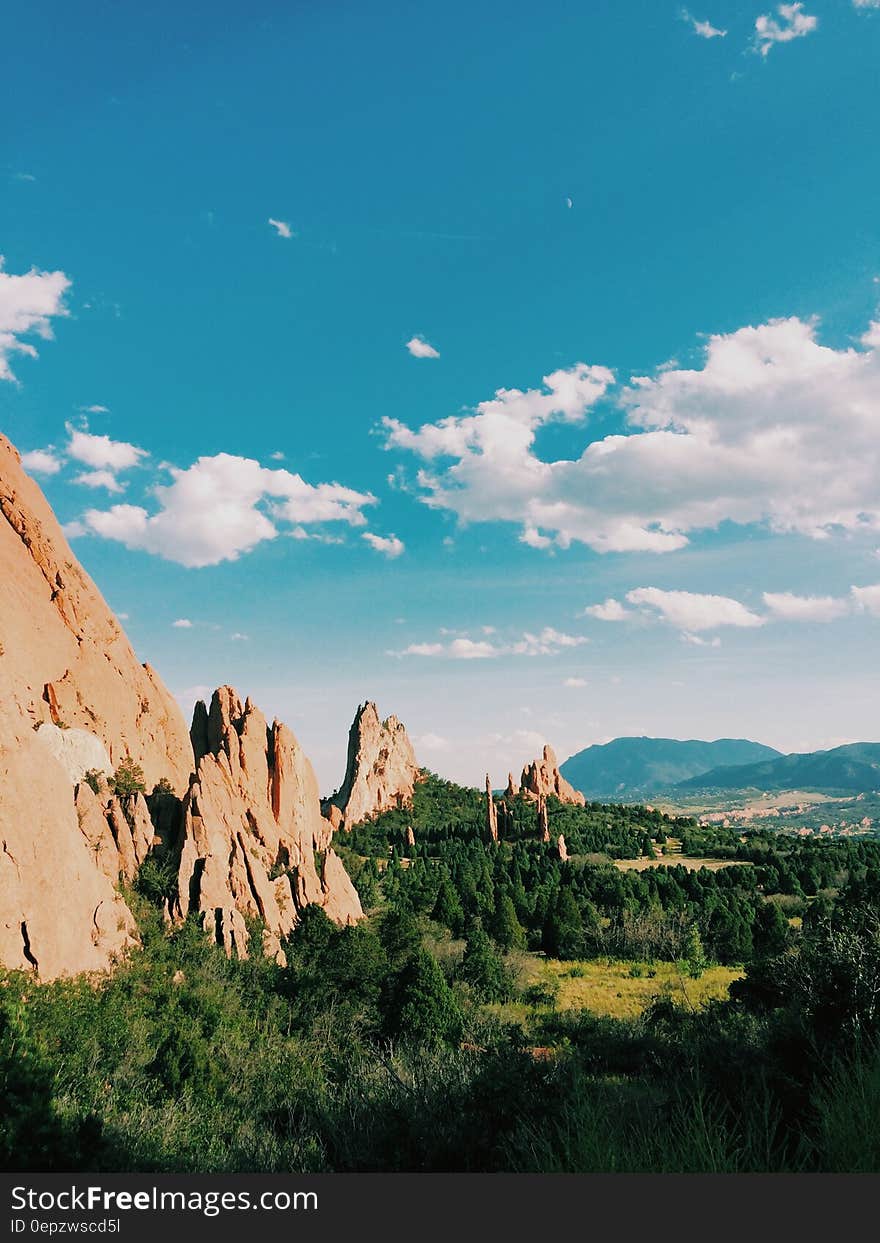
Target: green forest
<point>436,1034</point>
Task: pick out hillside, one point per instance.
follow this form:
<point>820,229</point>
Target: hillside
<point>852,769</point>
<point>629,769</point>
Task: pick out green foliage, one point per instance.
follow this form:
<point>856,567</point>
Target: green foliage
<point>93,779</point>
<point>128,779</point>
<point>423,1009</point>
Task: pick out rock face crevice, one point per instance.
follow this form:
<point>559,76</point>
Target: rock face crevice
<point>542,777</point>
<point>253,844</point>
<point>381,771</point>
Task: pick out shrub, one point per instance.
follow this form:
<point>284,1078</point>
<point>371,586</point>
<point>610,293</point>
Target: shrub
<point>128,779</point>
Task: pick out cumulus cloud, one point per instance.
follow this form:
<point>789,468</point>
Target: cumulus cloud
<point>28,304</point>
<point>223,506</point>
<point>99,479</point>
<point>547,642</point>
<point>419,348</point>
<point>575,683</point>
<point>182,623</point>
<point>389,545</point>
<point>867,599</point>
<point>793,23</point>
<point>789,607</point>
<point>867,4</point>
<point>773,429</point>
<point>611,611</point>
<point>704,29</point>
<point>100,452</point>
<point>41,462</point>
<point>689,611</point>
<point>281,227</point>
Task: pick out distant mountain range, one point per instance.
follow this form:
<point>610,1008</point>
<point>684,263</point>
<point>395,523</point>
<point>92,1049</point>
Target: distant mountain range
<point>635,769</point>
<point>849,769</point>
<point>628,769</point>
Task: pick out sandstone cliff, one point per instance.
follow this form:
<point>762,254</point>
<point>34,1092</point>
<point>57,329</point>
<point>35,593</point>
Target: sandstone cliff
<point>241,815</point>
<point>381,771</point>
<point>72,696</point>
<point>542,777</point>
<point>254,842</point>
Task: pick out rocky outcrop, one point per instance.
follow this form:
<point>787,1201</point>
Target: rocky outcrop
<point>542,777</point>
<point>512,788</point>
<point>254,844</point>
<point>237,808</point>
<point>562,849</point>
<point>381,772</point>
<point>543,819</point>
<point>491,813</point>
<point>72,696</point>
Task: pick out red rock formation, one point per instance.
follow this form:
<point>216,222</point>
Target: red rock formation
<point>512,788</point>
<point>65,662</point>
<point>254,842</point>
<point>542,776</point>
<point>248,830</point>
<point>562,848</point>
<point>543,819</point>
<point>381,771</point>
<point>491,813</point>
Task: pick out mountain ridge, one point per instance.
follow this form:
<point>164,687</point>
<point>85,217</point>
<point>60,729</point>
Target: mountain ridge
<point>638,766</point>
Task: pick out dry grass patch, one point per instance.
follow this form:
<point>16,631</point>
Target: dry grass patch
<point>624,989</point>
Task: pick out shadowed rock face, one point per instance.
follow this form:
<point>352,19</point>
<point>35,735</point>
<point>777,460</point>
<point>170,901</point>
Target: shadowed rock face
<point>542,777</point>
<point>66,667</point>
<point>381,772</point>
<point>253,840</point>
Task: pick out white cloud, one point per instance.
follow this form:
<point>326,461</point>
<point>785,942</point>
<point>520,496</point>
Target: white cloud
<point>99,479</point>
<point>100,452</point>
<point>548,642</point>
<point>41,462</point>
<point>431,742</point>
<point>702,28</point>
<point>419,348</point>
<point>794,23</point>
<point>238,637</point>
<point>789,607</point>
<point>223,506</point>
<point>575,683</point>
<point>95,409</point>
<point>74,529</point>
<point>389,545</point>
<point>689,611</point>
<point>611,611</point>
<point>182,623</point>
<point>773,429</point>
<point>28,304</point>
<point>695,639</point>
<point>867,4</point>
<point>281,227</point>
<point>867,599</point>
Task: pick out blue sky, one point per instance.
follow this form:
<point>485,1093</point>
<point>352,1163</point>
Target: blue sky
<point>556,199</point>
